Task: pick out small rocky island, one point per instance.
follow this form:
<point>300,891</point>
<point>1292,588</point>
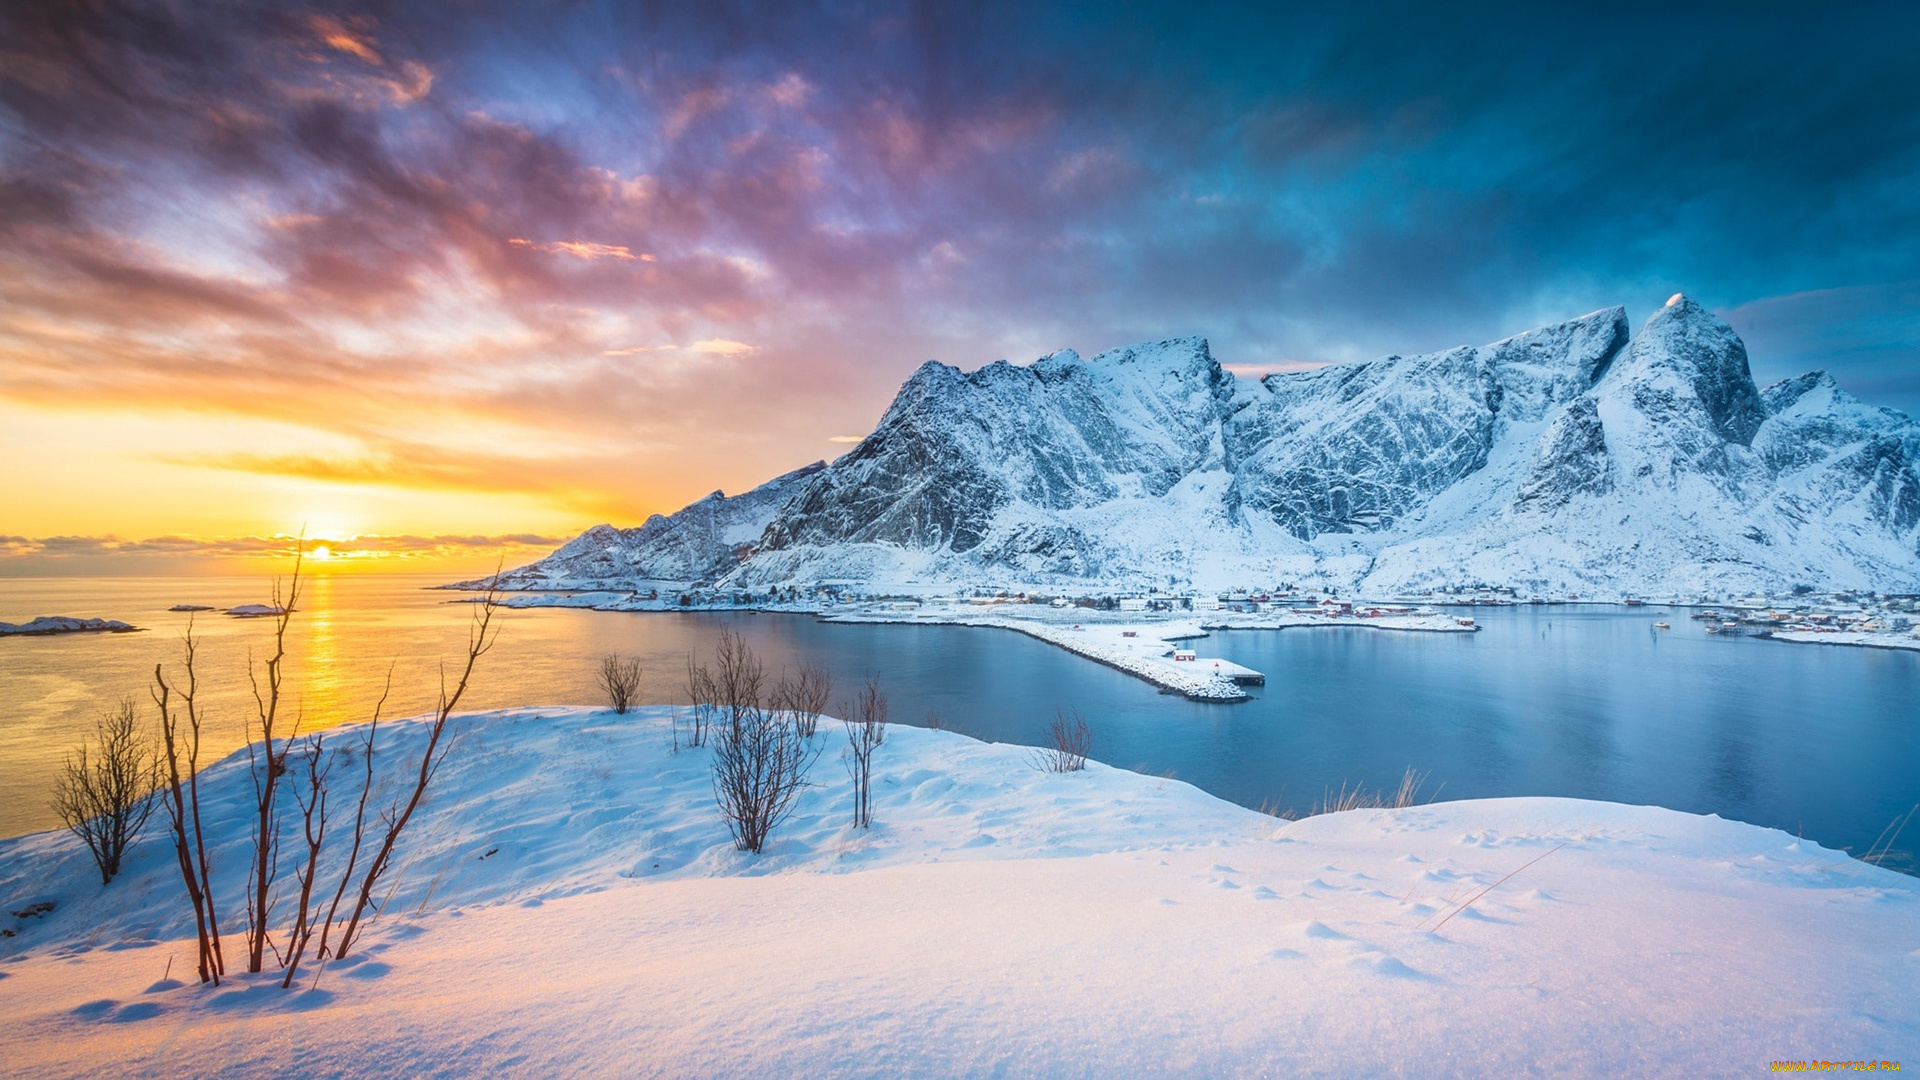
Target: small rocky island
<point>65,624</point>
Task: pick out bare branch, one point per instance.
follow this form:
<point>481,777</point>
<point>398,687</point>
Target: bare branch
<point>269,766</point>
<point>313,810</point>
<point>479,640</point>
<point>866,724</point>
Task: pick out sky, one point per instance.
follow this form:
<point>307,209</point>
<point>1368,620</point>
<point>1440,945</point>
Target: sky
<point>461,279</point>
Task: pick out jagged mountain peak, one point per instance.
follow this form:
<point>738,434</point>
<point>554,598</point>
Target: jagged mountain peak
<point>595,538</point>
<point>1814,386</point>
<point>1683,350</point>
<point>1547,367</point>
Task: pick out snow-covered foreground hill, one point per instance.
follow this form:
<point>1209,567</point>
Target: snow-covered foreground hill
<point>569,905</point>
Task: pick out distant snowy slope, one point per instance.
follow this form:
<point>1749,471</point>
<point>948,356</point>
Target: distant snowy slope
<point>703,541</point>
<point>1576,458</point>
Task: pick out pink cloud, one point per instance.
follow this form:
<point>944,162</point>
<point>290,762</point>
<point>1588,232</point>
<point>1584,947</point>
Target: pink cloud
<point>587,250</point>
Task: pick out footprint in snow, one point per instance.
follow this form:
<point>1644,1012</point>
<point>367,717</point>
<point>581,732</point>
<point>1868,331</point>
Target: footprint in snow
<point>139,1010</point>
<point>1285,954</point>
<point>1480,916</point>
<point>371,970</point>
<point>1391,967</point>
<point>1314,928</point>
<point>1261,892</point>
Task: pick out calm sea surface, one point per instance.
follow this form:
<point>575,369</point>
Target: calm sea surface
<point>1586,702</point>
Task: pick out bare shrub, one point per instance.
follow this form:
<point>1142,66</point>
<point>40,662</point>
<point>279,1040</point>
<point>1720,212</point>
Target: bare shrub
<point>182,797</point>
<point>739,678</point>
<point>1359,798</point>
<point>619,677</point>
<point>106,797</point>
<point>180,730</point>
<point>760,764</point>
<point>1883,844</point>
<point>866,724</point>
<point>760,759</point>
<point>313,820</point>
<point>933,721</point>
<point>804,696</point>
<point>359,819</point>
<point>704,697</point>
<point>479,640</point>
<point>1069,744</point>
<point>268,765</point>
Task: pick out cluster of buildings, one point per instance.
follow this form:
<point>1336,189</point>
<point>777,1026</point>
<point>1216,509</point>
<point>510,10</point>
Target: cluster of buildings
<point>1834,613</point>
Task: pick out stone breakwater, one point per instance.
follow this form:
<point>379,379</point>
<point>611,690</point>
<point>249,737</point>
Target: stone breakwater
<point>1198,684</point>
<point>1103,643</point>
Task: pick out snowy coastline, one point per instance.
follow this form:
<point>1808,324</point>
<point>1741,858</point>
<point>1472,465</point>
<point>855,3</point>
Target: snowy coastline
<point>1116,645</point>
<point>1859,639</point>
<point>1135,646</point>
<point>569,904</point>
<point>1123,641</point>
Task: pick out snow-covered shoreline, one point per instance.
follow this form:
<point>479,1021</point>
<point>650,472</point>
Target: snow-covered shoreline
<point>1418,623</point>
<point>1864,639</point>
<point>1126,644</point>
<point>1100,636</point>
<point>1202,679</point>
<point>569,904</point>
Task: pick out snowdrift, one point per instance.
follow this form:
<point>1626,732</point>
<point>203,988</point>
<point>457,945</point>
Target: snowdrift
<point>568,903</point>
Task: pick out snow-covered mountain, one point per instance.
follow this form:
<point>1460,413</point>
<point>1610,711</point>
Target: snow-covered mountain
<point>1574,458</point>
<point>700,542</point>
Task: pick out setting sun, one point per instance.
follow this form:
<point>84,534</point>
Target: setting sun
<point>320,552</point>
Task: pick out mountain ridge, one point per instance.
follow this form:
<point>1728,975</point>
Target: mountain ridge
<point>1580,457</point>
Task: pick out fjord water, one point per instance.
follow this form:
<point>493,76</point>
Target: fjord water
<point>1590,702</point>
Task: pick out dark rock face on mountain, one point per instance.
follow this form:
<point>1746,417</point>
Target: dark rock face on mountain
<point>1354,448</point>
<point>1573,460</point>
<point>1578,457</point>
<point>957,450</point>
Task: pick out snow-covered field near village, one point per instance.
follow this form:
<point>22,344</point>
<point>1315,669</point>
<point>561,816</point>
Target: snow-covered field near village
<point>570,904</point>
